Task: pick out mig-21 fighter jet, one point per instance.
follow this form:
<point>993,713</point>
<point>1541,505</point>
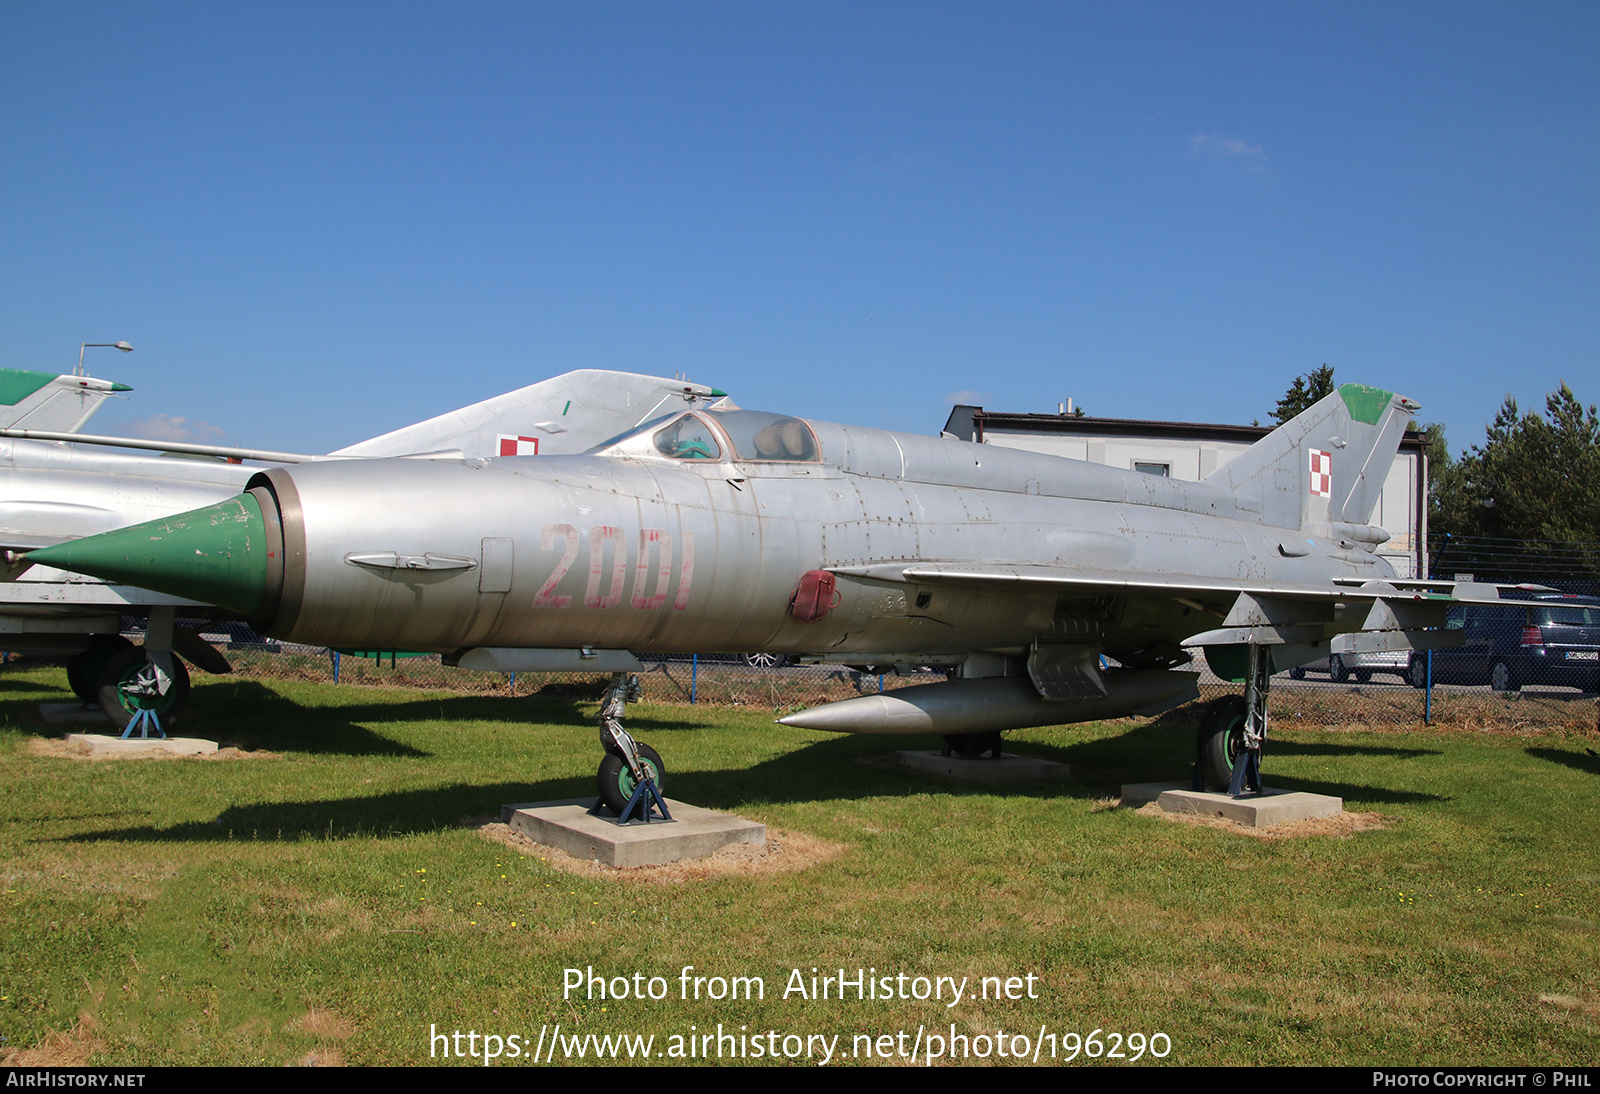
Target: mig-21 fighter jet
<point>1050,589</point>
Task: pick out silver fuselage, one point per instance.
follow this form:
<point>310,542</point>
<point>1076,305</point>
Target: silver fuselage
<point>656,555</point>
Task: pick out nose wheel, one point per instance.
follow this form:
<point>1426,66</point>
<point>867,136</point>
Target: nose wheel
<point>631,775</point>
<point>138,688</point>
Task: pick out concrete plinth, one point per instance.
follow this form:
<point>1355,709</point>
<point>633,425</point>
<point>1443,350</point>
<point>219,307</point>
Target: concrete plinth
<point>72,714</point>
<point>1136,794</point>
<point>692,833</point>
<point>1007,769</point>
<point>1272,806</point>
<point>133,746</point>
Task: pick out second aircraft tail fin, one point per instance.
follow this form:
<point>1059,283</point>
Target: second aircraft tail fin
<point>564,415</point>
<point>48,402</point>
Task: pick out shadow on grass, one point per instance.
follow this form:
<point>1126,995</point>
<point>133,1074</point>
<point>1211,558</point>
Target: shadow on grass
<point>249,706</point>
<point>828,770</point>
<point>402,813</point>
<point>1163,751</point>
<point>47,692</point>
<point>247,715</point>
<point>20,698</point>
<point>1587,762</point>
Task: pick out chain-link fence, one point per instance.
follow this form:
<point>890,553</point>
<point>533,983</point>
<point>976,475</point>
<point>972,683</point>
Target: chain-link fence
<point>1349,695</point>
<point>716,680</point>
<point>1571,566</point>
<point>1529,662</point>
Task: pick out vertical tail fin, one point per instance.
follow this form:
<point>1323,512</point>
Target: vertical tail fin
<point>1327,465</point>
<point>563,415</point>
<point>48,402</point>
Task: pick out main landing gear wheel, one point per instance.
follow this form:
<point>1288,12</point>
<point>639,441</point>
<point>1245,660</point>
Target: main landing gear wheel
<point>1219,740</point>
<point>84,669</point>
<point>617,783</point>
<point>130,683</point>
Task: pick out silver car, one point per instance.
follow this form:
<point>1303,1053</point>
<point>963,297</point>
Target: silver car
<point>1344,665</point>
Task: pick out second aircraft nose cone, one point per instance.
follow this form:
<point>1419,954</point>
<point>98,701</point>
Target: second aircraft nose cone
<point>216,555</point>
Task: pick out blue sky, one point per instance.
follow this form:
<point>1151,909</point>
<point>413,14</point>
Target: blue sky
<point>319,222</point>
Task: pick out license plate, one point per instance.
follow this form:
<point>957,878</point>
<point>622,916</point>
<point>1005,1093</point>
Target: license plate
<point>1583,655</point>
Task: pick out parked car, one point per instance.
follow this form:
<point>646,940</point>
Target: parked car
<point>1342,665</point>
<point>1528,638</point>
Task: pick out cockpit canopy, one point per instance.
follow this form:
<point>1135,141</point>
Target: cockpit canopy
<point>688,438</point>
<point>757,435</point>
<point>719,435</point>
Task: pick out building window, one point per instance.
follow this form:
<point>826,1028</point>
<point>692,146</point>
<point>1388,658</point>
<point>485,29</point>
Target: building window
<point>1162,469</point>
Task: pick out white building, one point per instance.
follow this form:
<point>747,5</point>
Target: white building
<point>1191,451</point>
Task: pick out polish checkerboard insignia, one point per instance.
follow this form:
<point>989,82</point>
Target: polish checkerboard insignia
<point>512,445</point>
<point>1321,474</point>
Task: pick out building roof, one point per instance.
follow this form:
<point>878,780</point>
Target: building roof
<point>970,423</point>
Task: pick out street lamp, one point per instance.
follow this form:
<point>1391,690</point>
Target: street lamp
<point>123,346</point>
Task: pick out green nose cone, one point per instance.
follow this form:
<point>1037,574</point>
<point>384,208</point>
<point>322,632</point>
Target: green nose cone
<point>217,555</point>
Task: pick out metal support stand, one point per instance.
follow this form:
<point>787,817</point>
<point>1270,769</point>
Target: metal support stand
<point>143,721</point>
<point>156,679</point>
<point>1247,766</point>
<point>647,799</point>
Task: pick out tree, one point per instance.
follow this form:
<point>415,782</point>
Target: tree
<point>1438,449</point>
<point>1303,392</point>
<point>1524,505</point>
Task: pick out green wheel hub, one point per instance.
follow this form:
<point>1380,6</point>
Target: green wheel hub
<point>130,683</point>
<point>617,784</point>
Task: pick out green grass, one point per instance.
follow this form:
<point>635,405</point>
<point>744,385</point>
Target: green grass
<point>327,901</point>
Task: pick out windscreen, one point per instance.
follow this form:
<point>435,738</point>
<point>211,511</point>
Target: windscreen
<point>688,438</point>
<point>757,435</point>
<point>635,431</point>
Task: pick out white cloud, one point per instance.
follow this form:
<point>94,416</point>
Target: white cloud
<point>161,427</point>
<point>965,398</point>
<point>1253,156</point>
